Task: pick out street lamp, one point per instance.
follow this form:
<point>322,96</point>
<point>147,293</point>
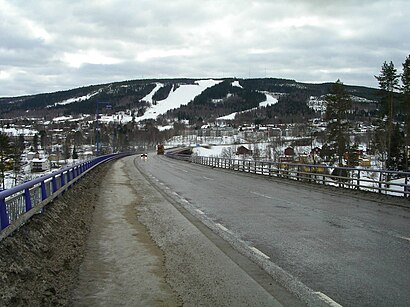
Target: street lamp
<point>97,128</point>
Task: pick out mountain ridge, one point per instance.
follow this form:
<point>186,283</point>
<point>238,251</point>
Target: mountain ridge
<point>129,95</point>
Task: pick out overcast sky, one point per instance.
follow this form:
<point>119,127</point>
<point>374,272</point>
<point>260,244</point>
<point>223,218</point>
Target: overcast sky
<point>61,44</point>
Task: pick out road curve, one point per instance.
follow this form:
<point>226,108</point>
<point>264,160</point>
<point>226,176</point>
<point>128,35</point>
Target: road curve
<point>340,246</point>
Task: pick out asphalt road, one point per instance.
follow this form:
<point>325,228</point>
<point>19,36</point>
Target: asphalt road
<point>343,247</point>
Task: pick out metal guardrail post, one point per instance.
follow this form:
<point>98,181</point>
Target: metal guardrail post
<point>4,219</point>
<point>54,184</point>
<point>27,199</point>
<point>43,191</point>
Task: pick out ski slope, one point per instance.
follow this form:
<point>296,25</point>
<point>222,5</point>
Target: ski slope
<point>181,96</point>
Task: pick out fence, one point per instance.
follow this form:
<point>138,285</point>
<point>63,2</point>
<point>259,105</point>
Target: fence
<point>380,181</point>
<point>20,203</point>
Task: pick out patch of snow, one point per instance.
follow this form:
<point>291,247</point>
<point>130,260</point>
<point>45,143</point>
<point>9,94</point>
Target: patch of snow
<point>236,83</point>
<point>71,100</point>
<point>62,118</point>
<point>361,99</point>
<point>163,128</point>
<point>270,100</point>
<point>317,104</point>
<point>13,132</point>
<point>181,96</point>
<point>149,96</point>
<point>228,117</point>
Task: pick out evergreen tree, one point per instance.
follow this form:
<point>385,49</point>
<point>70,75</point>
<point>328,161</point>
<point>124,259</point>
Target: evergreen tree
<point>405,79</point>
<point>388,82</point>
<point>353,156</point>
<point>75,154</point>
<point>338,103</point>
<point>396,161</point>
<point>5,152</point>
<point>35,142</point>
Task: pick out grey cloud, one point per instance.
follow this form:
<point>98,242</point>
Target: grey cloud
<point>305,40</point>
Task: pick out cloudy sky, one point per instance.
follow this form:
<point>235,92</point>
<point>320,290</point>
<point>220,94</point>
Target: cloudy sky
<point>61,44</point>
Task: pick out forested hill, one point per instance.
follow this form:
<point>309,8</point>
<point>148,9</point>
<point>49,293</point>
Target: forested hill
<point>228,96</point>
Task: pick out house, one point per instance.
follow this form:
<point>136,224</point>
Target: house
<point>289,151</point>
<point>288,155</point>
<point>242,150</point>
<point>40,165</point>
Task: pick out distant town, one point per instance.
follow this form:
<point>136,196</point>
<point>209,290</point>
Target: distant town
<point>264,119</point>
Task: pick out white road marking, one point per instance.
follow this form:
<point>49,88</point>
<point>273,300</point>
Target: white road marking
<point>402,237</point>
<point>175,193</point>
<point>259,252</point>
<point>199,211</point>
<point>207,178</point>
<point>327,299</point>
<point>223,227</point>
<point>261,195</point>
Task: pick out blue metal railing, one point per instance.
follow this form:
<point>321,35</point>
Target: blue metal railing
<point>21,202</point>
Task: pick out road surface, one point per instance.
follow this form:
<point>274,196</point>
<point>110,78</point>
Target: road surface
<point>145,250</point>
<point>339,246</point>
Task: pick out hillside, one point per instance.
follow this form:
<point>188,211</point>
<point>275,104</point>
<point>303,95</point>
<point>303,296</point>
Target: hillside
<point>190,99</point>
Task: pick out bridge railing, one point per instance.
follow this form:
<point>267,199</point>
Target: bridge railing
<point>21,202</point>
<point>380,181</point>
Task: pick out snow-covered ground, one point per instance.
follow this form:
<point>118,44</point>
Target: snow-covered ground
<point>71,100</point>
<point>181,96</point>
<point>270,100</point>
<point>148,98</point>
<point>14,132</point>
<point>317,104</point>
<point>237,84</point>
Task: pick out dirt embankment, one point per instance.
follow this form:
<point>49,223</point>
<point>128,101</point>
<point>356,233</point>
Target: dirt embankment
<point>39,263</point>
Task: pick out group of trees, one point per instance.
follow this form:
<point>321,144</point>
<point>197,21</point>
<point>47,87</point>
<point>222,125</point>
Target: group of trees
<point>10,152</point>
<point>393,128</point>
<point>391,138</point>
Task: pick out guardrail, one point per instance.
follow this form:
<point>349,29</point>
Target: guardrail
<point>21,202</point>
<point>380,181</point>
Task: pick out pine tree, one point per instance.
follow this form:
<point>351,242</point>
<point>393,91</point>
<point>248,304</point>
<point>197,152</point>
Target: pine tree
<point>405,79</point>
<point>338,103</point>
<point>388,82</point>
<point>5,151</point>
